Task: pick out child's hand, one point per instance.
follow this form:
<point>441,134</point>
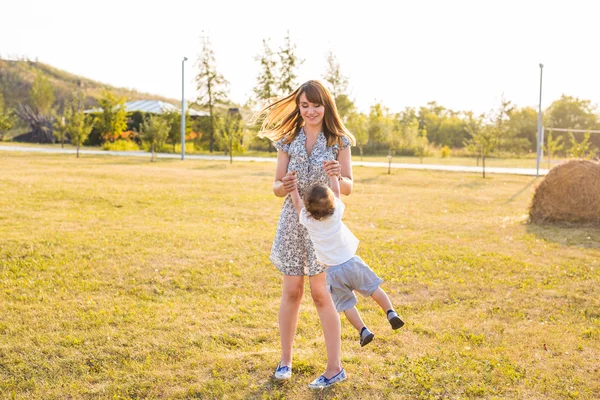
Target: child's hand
<point>332,168</point>
<point>290,181</point>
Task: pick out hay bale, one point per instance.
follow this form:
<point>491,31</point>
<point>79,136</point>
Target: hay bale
<point>570,193</point>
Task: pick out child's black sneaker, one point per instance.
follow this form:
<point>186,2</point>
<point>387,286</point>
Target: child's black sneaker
<point>394,319</point>
<point>366,336</point>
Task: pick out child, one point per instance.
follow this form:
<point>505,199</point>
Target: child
<point>335,247</point>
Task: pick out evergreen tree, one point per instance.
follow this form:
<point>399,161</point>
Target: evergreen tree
<point>266,83</point>
<point>338,86</point>
<point>289,63</point>
<point>338,83</point>
<point>211,86</point>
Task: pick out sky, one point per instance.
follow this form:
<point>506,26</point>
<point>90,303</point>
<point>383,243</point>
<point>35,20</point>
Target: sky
<point>465,55</point>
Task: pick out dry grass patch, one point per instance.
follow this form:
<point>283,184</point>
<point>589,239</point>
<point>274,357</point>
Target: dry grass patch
<point>125,279</point>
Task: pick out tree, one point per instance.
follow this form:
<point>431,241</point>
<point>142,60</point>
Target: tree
<point>338,86</point>
<point>377,126</point>
<point>583,149</point>
<point>421,143</point>
<point>78,126</point>
<point>38,113</point>
<point>266,82</point>
<point>60,125</point>
<point>431,117</point>
<point>501,117</point>
<point>231,130</point>
<point>155,131</point>
<point>522,126</point>
<point>553,146</point>
<point>266,88</point>
<point>408,129</point>
<point>573,113</point>
<point>358,125</point>
<point>288,62</point>
<point>6,118</point>
<point>112,122</point>
<point>211,86</point>
<point>486,138</point>
<point>338,83</point>
<point>173,118</point>
<point>41,95</point>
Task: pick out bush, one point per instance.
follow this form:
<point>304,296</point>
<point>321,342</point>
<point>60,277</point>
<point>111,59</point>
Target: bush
<point>120,145</point>
<point>445,151</point>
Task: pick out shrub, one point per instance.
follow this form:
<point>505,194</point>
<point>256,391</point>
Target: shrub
<point>445,151</point>
<point>120,145</point>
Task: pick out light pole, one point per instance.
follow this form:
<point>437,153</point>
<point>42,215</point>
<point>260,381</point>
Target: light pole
<point>539,128</point>
<point>182,109</point>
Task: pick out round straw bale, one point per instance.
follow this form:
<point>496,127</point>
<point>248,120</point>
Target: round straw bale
<point>570,193</point>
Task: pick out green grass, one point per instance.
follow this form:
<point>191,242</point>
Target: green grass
<point>125,279</point>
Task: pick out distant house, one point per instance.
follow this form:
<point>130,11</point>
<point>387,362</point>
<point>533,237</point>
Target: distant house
<point>153,107</point>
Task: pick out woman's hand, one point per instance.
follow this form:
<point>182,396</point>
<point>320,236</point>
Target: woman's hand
<point>290,181</point>
<point>332,168</point>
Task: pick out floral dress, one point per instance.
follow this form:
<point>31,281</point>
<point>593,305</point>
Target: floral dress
<point>292,252</point>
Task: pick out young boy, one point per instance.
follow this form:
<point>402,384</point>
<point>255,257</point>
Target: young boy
<point>335,247</point>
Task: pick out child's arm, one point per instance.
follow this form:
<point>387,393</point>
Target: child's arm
<point>295,195</point>
<point>334,183</point>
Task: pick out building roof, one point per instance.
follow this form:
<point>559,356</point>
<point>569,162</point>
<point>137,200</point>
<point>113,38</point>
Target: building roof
<point>153,107</point>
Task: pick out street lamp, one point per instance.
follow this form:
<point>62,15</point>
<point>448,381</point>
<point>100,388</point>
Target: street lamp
<point>539,128</point>
<point>182,109</point>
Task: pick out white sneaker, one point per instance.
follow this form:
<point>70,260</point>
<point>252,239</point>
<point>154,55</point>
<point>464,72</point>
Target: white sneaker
<point>282,373</point>
<point>322,382</point>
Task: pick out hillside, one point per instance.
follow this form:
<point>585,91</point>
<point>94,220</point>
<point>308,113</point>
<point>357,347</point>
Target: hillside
<point>16,78</point>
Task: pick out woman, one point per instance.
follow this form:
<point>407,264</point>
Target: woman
<point>311,140</point>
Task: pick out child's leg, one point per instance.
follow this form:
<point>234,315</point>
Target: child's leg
<point>384,302</point>
<point>382,299</point>
<point>354,318</point>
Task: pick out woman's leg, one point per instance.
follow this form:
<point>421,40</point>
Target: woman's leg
<point>330,321</point>
<point>291,297</point>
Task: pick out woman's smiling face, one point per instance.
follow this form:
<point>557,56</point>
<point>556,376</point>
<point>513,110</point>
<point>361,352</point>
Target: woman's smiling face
<point>312,113</point>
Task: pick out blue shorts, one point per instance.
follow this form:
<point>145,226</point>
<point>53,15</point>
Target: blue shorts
<point>352,275</point>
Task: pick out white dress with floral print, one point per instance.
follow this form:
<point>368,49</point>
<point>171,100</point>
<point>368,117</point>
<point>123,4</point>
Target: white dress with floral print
<point>292,252</point>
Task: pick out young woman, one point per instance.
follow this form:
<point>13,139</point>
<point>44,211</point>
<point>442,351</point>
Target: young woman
<point>311,140</point>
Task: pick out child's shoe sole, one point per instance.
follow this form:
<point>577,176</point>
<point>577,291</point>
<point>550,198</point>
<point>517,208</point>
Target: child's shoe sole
<point>396,322</point>
<point>366,340</point>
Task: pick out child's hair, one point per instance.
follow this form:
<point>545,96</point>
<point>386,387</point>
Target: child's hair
<point>319,201</point>
<point>282,119</point>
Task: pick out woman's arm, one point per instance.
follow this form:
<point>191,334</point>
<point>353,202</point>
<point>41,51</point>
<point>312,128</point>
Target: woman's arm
<point>283,184</point>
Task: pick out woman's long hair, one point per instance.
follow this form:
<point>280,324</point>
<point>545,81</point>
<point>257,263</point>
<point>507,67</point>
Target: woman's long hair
<point>282,119</point>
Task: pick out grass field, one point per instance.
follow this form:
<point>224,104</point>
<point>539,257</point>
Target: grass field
<point>125,279</point>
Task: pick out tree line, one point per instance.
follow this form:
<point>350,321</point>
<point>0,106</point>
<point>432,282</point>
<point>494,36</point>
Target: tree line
<point>422,131</point>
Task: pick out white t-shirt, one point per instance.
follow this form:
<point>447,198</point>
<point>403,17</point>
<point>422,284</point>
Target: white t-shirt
<point>331,238</point>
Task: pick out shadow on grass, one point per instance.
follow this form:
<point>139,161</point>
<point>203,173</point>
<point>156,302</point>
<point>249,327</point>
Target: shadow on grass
<point>274,389</point>
<point>514,196</point>
<point>586,236</point>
